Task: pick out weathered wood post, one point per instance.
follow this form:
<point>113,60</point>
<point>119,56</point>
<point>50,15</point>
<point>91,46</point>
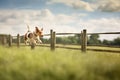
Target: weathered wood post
<point>84,40</point>
<point>51,36</point>
<point>9,40</point>
<point>81,40</point>
<point>52,40</point>
<point>3,40</point>
<point>18,40</point>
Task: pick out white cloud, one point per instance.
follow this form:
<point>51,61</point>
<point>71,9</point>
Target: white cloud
<point>101,5</point>
<point>14,22</point>
<point>109,5</point>
<point>101,25</point>
<point>77,4</point>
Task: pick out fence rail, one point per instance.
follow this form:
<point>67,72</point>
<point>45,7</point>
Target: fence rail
<point>80,33</point>
<point>104,33</point>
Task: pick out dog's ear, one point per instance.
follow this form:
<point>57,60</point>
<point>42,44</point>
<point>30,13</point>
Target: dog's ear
<point>28,28</point>
<point>41,29</point>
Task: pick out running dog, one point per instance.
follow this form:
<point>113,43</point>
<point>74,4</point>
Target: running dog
<point>33,37</point>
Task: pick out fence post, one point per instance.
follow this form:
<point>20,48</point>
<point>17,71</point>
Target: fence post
<point>10,40</point>
<point>84,40</point>
<point>3,40</point>
<point>51,36</point>
<point>18,40</point>
<point>52,40</point>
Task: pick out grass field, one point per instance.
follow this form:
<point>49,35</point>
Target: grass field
<point>62,64</point>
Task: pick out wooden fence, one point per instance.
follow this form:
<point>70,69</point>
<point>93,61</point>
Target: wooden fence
<point>83,39</point>
<point>53,35</point>
<point>3,39</point>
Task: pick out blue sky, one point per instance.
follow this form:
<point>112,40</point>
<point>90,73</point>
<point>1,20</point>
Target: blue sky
<point>60,15</point>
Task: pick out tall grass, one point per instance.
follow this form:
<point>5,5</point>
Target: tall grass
<point>42,64</point>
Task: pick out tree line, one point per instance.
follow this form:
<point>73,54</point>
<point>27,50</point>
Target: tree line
<point>91,40</point>
<point>94,39</point>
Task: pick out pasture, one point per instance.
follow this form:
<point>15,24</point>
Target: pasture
<point>62,64</point>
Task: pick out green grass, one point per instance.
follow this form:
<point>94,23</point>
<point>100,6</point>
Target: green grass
<point>62,64</point>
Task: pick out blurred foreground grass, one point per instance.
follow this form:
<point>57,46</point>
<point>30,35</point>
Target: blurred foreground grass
<point>62,64</point>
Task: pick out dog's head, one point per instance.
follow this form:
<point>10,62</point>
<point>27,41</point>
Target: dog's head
<point>39,32</point>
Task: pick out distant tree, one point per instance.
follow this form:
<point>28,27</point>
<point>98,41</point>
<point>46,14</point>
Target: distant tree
<point>116,41</point>
<point>106,42</point>
<point>68,40</point>
<point>22,39</point>
<point>78,38</point>
<point>58,40</point>
<point>94,39</point>
<point>72,40</point>
<point>45,40</point>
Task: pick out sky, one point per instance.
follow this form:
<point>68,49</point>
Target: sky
<point>60,15</point>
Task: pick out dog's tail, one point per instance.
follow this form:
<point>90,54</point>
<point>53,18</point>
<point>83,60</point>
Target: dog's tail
<point>28,28</point>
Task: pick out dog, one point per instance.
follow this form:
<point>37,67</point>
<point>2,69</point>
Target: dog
<point>33,37</point>
<point>38,33</point>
